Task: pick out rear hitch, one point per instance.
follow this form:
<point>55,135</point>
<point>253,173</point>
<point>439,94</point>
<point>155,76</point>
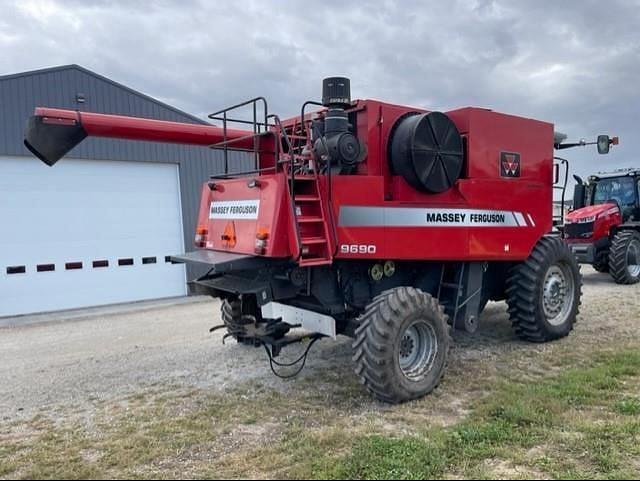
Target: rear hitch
<point>277,345</point>
<point>253,332</point>
<point>272,336</point>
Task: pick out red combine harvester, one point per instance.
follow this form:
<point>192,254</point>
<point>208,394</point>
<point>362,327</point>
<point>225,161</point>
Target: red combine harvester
<point>376,221</point>
<point>604,228</point>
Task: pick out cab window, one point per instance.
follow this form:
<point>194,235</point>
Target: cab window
<point>619,189</point>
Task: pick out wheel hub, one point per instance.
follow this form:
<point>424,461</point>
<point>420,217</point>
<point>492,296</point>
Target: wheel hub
<point>633,259</point>
<point>407,346</point>
<point>418,349</point>
<point>557,294</point>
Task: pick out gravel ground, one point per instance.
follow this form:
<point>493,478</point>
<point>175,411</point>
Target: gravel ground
<point>109,356</point>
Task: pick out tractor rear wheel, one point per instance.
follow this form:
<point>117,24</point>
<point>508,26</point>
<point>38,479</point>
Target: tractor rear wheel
<point>624,257</point>
<point>544,292</point>
<point>401,345</point>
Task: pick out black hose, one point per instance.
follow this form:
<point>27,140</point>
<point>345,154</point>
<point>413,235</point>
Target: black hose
<point>302,358</point>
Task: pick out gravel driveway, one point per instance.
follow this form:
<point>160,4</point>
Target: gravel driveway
<point>76,363</point>
<point>110,356</point>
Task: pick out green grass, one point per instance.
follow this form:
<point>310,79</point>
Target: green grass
<point>630,407</point>
<point>582,423</point>
<point>573,421</point>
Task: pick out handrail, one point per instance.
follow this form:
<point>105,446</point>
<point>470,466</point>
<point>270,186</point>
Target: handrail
<point>241,104</point>
<point>292,197</point>
<point>565,163</point>
<point>246,172</point>
<point>329,181</point>
<point>257,126</point>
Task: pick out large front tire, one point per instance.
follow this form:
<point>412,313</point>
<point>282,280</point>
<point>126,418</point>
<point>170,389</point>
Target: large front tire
<point>624,258</point>
<point>544,292</point>
<point>401,345</point>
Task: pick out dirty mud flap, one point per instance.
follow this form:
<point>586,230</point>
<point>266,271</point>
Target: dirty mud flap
<point>313,322</point>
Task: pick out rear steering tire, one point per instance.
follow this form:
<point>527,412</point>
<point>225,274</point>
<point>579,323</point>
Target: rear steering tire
<point>401,345</point>
<point>544,292</point>
<point>624,257</point>
<point>235,320</point>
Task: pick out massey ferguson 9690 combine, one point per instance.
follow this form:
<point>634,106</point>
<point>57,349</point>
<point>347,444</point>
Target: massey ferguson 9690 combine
<point>381,222</point>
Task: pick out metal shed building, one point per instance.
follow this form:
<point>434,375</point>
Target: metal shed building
<point>97,228</point>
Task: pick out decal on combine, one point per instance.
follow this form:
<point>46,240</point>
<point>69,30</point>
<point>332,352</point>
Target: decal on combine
<point>510,164</point>
<point>234,209</point>
<point>356,216</point>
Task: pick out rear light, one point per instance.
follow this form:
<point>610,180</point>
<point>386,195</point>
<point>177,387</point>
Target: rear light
<point>229,235</point>
<point>201,236</point>
<point>261,241</point>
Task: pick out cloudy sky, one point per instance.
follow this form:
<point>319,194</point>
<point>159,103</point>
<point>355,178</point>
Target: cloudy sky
<point>573,63</point>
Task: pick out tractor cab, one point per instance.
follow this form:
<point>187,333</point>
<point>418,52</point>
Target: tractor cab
<point>605,193</point>
<point>622,190</point>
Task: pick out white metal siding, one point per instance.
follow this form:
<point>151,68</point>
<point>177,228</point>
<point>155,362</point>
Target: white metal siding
<point>87,211</point>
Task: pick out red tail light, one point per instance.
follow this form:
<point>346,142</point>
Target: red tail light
<point>261,241</point>
<point>201,236</point>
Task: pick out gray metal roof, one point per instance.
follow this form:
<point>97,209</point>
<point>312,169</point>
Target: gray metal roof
<point>62,68</point>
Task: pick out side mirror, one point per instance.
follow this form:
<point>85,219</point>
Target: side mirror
<point>605,143</point>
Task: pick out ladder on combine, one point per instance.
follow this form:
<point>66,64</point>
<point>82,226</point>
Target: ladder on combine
<point>311,221</point>
<point>309,215</point>
<point>460,292</point>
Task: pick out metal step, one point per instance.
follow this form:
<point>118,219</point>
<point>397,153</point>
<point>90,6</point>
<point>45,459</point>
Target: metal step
<point>308,219</point>
<point>307,198</point>
<point>314,261</point>
<point>313,240</point>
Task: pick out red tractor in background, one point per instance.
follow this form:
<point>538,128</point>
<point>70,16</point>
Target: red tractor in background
<point>604,227</point>
<point>380,222</point>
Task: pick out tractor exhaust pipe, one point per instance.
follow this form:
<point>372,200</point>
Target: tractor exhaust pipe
<point>53,133</point>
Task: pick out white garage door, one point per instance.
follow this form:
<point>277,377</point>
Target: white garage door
<point>87,233</point>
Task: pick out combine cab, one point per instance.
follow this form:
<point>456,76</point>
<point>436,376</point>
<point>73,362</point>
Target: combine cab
<point>604,228</point>
<point>381,222</point>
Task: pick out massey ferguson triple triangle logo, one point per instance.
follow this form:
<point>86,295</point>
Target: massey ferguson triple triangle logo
<point>509,164</point>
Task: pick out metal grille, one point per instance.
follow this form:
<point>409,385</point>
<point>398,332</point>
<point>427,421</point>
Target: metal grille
<point>579,231</point>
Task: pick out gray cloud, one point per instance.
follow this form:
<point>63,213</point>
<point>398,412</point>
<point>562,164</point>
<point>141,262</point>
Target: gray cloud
<point>573,63</point>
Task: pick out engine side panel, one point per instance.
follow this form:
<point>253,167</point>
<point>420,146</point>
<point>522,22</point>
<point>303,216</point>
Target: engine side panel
<point>498,211</point>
